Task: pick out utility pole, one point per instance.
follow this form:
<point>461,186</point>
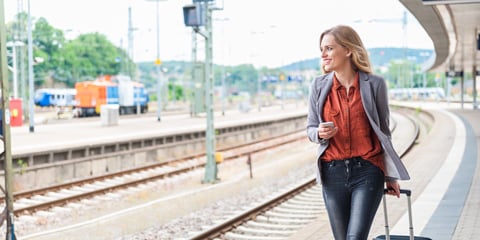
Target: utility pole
<point>130,50</point>
<point>131,74</point>
<point>23,62</point>
<point>193,18</point>
<point>157,63</point>
<point>211,167</point>
<point>19,34</point>
<point>130,43</point>
<point>30,73</point>
<point>7,154</point>
<point>193,111</point>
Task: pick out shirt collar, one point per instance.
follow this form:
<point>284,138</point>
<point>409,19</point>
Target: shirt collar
<point>336,84</point>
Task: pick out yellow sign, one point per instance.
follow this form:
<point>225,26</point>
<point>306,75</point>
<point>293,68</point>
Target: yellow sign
<point>158,62</point>
<point>282,77</point>
<point>219,157</point>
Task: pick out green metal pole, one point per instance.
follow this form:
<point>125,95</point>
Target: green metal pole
<point>211,166</point>
<point>5,105</point>
<point>30,74</point>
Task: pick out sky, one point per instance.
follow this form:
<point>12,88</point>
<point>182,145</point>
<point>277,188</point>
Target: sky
<point>267,33</point>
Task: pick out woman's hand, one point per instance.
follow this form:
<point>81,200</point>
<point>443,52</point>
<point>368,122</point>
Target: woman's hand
<point>326,132</point>
<point>393,188</point>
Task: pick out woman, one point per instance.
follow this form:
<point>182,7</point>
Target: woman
<point>356,158</point>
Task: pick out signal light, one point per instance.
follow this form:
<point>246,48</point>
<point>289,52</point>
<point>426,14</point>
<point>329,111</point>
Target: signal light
<point>193,16</point>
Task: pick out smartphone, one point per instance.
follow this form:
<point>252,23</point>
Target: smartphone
<point>327,124</point>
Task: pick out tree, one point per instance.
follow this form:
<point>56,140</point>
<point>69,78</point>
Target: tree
<point>47,38</point>
<point>90,55</point>
<point>47,42</point>
<point>67,62</point>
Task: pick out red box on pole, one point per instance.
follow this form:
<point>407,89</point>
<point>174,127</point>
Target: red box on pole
<point>16,113</point>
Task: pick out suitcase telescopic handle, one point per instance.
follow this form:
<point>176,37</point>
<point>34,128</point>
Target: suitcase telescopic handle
<point>410,221</point>
<point>402,191</point>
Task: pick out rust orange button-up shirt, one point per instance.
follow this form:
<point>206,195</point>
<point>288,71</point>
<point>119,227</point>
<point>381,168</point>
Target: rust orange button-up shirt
<point>355,136</point>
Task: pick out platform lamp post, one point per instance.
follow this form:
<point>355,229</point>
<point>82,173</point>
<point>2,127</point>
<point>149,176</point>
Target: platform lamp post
<point>14,46</point>
<point>158,63</point>
<point>31,113</point>
<point>197,15</point>
<point>6,155</point>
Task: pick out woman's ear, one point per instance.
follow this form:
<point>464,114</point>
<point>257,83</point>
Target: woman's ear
<point>348,52</point>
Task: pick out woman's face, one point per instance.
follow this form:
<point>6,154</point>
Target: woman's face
<point>334,55</point>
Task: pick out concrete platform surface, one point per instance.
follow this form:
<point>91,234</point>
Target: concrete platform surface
<point>445,181</point>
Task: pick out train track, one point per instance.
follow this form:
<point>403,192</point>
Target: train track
<point>28,202</point>
<point>280,217</point>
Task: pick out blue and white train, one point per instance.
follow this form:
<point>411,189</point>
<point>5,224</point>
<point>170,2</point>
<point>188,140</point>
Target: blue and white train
<point>88,96</point>
<point>55,97</point>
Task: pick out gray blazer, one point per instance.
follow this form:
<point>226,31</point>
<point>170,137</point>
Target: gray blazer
<point>373,91</point>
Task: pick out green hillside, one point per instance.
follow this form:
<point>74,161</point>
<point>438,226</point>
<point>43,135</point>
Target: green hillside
<point>378,57</point>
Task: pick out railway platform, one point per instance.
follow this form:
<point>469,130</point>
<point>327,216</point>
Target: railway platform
<point>445,181</point>
<point>74,149</point>
<point>81,133</point>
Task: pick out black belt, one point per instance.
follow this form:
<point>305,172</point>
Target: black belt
<point>343,161</point>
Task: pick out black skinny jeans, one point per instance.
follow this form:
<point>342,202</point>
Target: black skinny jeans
<point>352,191</point>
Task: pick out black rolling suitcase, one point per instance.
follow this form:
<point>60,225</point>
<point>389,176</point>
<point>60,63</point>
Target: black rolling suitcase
<point>387,235</point>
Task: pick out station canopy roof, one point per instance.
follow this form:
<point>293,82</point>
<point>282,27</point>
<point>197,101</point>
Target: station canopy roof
<point>454,27</point>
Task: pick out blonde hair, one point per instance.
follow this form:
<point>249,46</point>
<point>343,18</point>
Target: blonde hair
<point>349,38</point>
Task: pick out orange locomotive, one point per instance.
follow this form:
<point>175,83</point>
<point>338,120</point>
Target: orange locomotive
<point>130,96</point>
<point>91,95</point>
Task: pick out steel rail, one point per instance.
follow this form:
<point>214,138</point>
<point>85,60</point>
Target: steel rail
<point>39,191</point>
<point>76,197</point>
